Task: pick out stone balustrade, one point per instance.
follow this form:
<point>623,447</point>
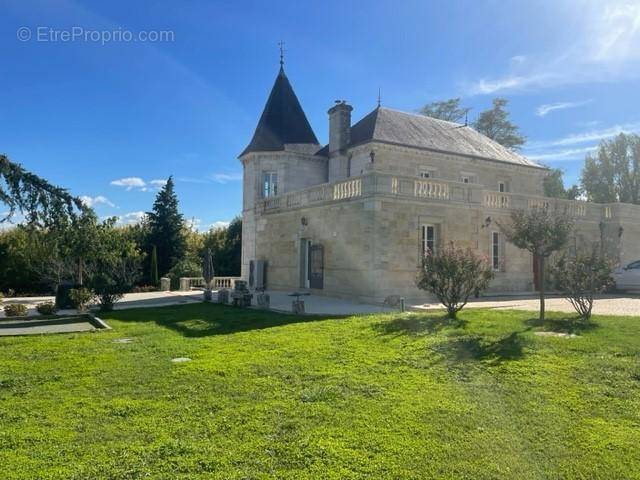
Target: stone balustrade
<point>430,190</point>
<point>187,283</point>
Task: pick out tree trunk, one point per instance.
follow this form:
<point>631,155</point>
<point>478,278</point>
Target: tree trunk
<point>80,271</point>
<point>542,285</point>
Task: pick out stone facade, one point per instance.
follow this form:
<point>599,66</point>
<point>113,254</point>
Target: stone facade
<point>365,206</point>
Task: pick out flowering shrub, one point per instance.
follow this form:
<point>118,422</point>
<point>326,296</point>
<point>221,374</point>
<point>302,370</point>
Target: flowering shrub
<point>580,277</point>
<point>453,275</point>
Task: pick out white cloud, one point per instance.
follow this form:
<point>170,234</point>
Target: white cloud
<point>158,183</point>
<point>605,49</point>
<point>576,145</point>
<point>131,218</point>
<point>566,154</point>
<point>193,223</point>
<point>99,200</point>
<point>226,177</point>
<point>597,135</point>
<point>543,110</point>
<point>129,183</point>
<point>218,225</point>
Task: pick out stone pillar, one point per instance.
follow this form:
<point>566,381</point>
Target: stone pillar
<point>165,284</point>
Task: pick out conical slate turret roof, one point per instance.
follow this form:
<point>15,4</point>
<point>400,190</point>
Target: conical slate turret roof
<point>282,121</point>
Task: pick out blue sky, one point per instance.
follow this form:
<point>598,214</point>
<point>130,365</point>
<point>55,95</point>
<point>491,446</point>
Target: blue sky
<point>110,119</point>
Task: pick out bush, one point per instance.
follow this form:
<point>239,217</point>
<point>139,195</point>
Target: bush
<point>1,297</point>
<point>81,297</point>
<point>184,268</point>
<point>63,295</point>
<point>453,275</point>
<point>580,277</point>
<point>144,289</point>
<point>46,308</point>
<point>15,310</point>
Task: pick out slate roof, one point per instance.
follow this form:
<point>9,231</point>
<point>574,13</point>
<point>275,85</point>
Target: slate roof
<point>411,130</point>
<point>282,121</point>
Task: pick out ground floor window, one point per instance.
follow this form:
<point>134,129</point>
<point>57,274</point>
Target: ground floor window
<point>428,239</point>
<point>495,251</point>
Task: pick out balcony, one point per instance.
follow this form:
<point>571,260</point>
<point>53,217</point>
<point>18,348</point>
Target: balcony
<point>428,191</point>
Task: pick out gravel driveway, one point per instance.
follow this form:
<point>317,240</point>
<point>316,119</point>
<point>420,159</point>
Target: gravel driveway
<point>622,304</point>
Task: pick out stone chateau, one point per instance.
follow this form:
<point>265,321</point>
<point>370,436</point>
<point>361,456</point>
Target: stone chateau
<point>354,217</point>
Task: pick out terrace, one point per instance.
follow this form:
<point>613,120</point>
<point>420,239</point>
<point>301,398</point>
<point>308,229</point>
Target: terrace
<point>405,188</point>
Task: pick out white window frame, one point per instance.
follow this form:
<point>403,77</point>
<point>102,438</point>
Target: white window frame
<point>427,172</point>
<point>466,177</point>
<point>496,251</point>
<point>425,241</point>
<point>269,184</point>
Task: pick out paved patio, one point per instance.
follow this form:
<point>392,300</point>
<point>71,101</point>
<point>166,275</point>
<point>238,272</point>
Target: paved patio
<point>622,304</point>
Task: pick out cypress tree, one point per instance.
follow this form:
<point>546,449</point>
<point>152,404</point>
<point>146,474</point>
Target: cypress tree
<point>154,267</point>
<point>166,229</point>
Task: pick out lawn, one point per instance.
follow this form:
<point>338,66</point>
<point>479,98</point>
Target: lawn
<point>276,396</point>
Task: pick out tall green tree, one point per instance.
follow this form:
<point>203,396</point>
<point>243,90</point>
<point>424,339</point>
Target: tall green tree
<point>554,186</point>
<point>449,110</point>
<point>495,124</point>
<point>613,173</point>
<point>166,228</point>
<point>541,232</point>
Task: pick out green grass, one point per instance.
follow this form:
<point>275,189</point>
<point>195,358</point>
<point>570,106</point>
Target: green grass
<point>276,396</point>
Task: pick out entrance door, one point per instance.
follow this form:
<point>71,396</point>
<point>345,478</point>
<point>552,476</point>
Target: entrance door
<point>316,261</point>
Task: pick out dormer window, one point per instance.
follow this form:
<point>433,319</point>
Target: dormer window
<point>270,184</point>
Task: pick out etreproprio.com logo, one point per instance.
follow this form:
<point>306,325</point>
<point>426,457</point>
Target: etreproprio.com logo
<point>46,34</point>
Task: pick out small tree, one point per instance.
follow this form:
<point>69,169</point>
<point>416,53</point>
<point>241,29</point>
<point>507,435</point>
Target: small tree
<point>453,275</point>
<point>581,276</point>
<point>154,267</point>
<point>541,232</point>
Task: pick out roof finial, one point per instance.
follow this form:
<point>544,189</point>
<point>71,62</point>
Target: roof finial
<point>281,45</point>
<point>378,97</point>
<point>466,118</point>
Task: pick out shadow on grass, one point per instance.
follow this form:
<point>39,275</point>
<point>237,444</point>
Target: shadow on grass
<point>569,325</point>
<point>418,325</point>
<point>492,351</point>
<point>206,319</point>
<point>457,344</point>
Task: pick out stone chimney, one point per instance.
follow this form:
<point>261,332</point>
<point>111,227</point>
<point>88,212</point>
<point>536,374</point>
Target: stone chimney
<point>339,126</point>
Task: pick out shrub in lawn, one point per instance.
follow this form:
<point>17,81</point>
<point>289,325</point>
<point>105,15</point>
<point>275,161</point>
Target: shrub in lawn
<point>15,310</point>
<point>580,277</point>
<point>81,297</point>
<point>453,275</point>
<point>46,308</point>
<point>541,231</point>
